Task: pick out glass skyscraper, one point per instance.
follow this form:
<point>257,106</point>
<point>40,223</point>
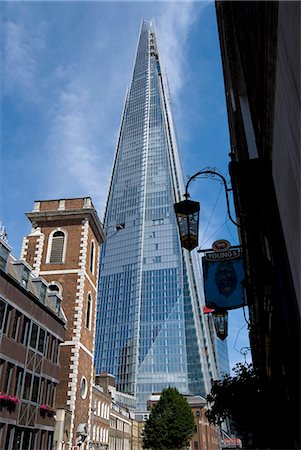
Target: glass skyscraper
<point>150,331</point>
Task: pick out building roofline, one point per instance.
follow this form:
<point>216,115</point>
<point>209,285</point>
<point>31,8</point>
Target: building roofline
<point>74,213</point>
<point>30,295</point>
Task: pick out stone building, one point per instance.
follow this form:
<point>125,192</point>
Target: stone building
<point>32,327</point>
<point>63,247</point>
<point>99,432</point>
<point>120,428</point>
<point>125,430</point>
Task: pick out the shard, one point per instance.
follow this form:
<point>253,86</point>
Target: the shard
<point>151,332</point>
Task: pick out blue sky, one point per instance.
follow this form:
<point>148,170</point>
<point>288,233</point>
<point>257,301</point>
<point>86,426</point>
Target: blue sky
<point>66,66</point>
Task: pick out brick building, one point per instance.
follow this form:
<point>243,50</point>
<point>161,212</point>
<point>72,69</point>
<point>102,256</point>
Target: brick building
<point>206,434</point>
<point>32,327</point>
<point>63,247</point>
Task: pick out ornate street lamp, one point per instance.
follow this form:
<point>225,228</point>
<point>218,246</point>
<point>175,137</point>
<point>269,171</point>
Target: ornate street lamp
<point>187,212</point>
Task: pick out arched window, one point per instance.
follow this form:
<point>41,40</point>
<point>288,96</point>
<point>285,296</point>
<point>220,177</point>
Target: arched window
<point>56,247</point>
<point>83,388</point>
<point>92,257</point>
<point>55,287</point>
<point>88,311</point>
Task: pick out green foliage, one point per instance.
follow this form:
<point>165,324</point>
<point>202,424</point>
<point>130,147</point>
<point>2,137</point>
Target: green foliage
<point>229,394</point>
<point>251,403</point>
<point>170,425</point>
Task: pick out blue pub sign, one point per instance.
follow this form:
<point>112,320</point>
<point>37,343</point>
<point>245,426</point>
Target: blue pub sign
<point>223,277</point>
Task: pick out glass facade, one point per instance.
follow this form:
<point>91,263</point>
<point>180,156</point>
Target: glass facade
<point>150,331</point>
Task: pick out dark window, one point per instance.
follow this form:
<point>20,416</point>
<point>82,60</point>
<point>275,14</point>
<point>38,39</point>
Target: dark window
<point>92,258</point>
<point>25,277</point>
<point>57,247</point>
<point>16,325</point>
<point>35,389</point>
<point>48,392</point>
<point>25,331</point>
<point>88,311</point>
<point>7,319</point>
<point>42,391</point>
<point>27,386</point>
<point>2,312</point>
<point>49,440</point>
<point>57,354</point>
<point>19,380</point>
<point>196,446</point>
<point>10,437</point>
<point>34,335</point>
<point>1,373</point>
<point>41,340</point>
<point>4,252</point>
<point>54,288</point>
<point>8,381</point>
<point>43,290</point>
<point>51,394</point>
<point>53,349</point>
<point>43,440</point>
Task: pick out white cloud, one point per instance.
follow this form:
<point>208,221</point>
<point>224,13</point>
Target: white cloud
<point>75,148</point>
<point>21,47</point>
<point>84,126</point>
<point>173,27</point>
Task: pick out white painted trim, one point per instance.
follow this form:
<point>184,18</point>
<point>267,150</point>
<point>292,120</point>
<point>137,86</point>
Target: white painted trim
<point>59,272</point>
<point>66,343</point>
<point>36,206</point>
<point>83,396</point>
<point>24,248</point>
<point>85,349</point>
<point>39,253</point>
<point>91,282</point>
<point>50,237</point>
<point>77,325</point>
<point>73,343</point>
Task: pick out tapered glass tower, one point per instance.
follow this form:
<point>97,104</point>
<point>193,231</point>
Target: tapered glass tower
<point>151,332</point>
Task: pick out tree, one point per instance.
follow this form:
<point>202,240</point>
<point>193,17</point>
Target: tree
<point>170,424</point>
<point>251,402</point>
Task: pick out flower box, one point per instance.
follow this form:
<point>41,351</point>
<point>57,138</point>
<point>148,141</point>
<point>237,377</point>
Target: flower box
<point>46,410</point>
<point>9,402</point>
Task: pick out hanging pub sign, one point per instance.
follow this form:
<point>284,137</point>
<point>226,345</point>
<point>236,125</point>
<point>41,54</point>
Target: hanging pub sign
<point>223,276</point>
<point>220,320</point>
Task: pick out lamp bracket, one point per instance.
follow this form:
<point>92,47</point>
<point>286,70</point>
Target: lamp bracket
<point>212,172</point>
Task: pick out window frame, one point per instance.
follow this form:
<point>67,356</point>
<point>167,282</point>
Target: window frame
<point>49,248</point>
<point>88,318</point>
<point>92,257</point>
<point>85,393</point>
<point>57,285</point>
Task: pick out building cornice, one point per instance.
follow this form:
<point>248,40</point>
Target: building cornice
<point>56,215</point>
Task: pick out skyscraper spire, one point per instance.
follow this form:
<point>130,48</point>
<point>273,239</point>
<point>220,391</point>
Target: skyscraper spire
<point>151,332</point>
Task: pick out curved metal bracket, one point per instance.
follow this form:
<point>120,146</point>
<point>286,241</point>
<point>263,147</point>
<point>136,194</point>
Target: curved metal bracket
<point>208,171</point>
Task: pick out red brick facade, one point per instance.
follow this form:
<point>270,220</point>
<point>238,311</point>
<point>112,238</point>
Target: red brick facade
<point>74,274</point>
<point>32,325</point>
